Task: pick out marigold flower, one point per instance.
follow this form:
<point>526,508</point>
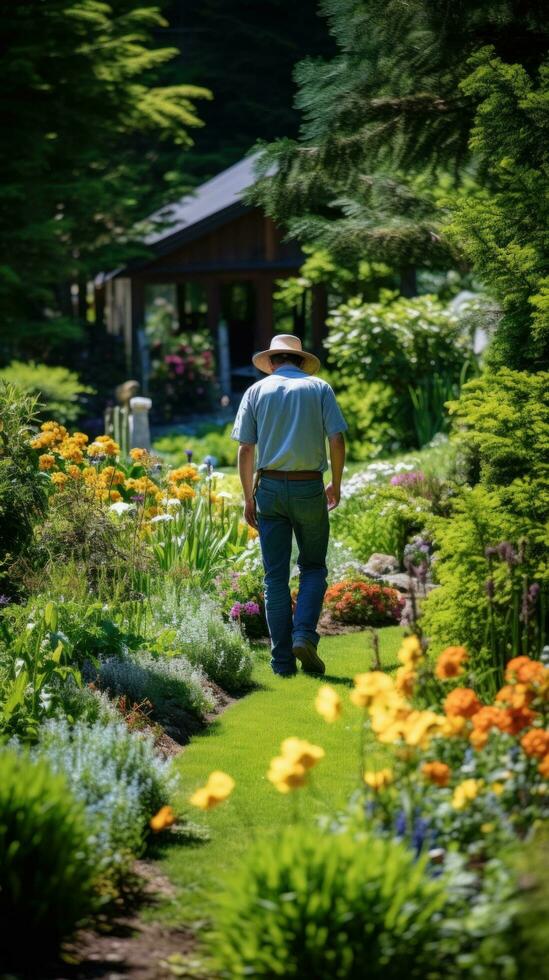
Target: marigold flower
<point>436,772</point>
<point>450,663</point>
<point>252,533</point>
<point>478,738</point>
<point>515,695</point>
<point>328,703</point>
<point>524,670</point>
<point>536,742</point>
<point>462,701</point>
<point>185,473</point>
<point>378,780</point>
<point>218,787</point>
<point>489,717</point>
<point>184,492</point>
<point>543,767</point>
<point>74,472</point>
<point>405,681</point>
<point>138,455</point>
<point>113,477</point>
<point>46,461</point>
<point>164,818</point>
<point>302,753</point>
<point>454,726</point>
<point>411,652</point>
<point>466,792</point>
<point>59,479</point>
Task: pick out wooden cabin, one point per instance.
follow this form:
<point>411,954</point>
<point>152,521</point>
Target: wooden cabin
<point>223,257</point>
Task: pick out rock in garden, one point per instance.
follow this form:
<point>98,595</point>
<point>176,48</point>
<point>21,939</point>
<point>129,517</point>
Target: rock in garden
<point>379,564</point>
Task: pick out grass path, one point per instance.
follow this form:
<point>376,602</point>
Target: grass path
<point>242,742</point>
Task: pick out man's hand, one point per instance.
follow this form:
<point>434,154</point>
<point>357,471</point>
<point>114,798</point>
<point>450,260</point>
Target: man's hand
<point>333,496</point>
<point>250,514</point>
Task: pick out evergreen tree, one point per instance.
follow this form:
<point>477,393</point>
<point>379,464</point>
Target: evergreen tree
<point>386,126</point>
<point>85,123</point>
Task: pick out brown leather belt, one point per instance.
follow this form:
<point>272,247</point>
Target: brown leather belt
<point>291,474</point>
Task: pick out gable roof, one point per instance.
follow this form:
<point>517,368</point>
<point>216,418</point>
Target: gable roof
<point>214,197</point>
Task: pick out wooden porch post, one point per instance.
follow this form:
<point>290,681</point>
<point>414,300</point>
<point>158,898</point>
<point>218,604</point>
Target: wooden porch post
<point>137,351</point>
<point>319,312</point>
<point>264,318</point>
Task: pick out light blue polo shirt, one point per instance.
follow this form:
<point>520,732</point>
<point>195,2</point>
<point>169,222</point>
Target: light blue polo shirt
<point>289,414</point>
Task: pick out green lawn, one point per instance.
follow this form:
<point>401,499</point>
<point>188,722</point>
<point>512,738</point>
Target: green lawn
<point>242,742</point>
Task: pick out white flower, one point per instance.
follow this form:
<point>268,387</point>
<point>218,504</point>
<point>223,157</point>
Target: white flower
<point>19,666</point>
<point>121,507</point>
<point>225,495</point>
<point>173,502</point>
<point>160,518</point>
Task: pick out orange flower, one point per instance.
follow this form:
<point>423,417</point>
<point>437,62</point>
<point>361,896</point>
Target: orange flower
<point>490,717</point>
<point>536,742</point>
<point>46,461</point>
<point>436,772</point>
<point>462,701</point>
<point>543,767</point>
<point>524,670</point>
<point>520,718</point>
<point>450,662</point>
<point>164,818</point>
<point>478,739</point>
<point>515,695</point>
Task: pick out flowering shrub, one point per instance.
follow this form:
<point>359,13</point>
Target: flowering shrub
<point>243,600</point>
<point>199,634</point>
<point>183,365</point>
<point>362,603</point>
<point>118,778</point>
<point>171,683</point>
<point>473,774</point>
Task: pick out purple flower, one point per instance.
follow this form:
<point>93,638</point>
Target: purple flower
<point>137,498</point>
<point>489,588</point>
<point>236,610</point>
<point>4,600</point>
<point>189,454</point>
<point>251,608</point>
<point>407,479</point>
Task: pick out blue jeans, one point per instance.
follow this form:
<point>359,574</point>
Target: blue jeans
<point>285,507</point>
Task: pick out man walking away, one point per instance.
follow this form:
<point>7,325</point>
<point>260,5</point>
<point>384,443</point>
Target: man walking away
<point>288,416</point>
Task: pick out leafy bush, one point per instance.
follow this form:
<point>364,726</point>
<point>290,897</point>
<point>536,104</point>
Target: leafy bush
<point>529,936</point>
<point>171,683</point>
<point>329,906</point>
<point>379,518</point>
<point>212,441</point>
<point>363,603</point>
<point>22,490</point>
<point>202,636</point>
<point>373,414</point>
<point>45,858</point>
<point>58,390</point>
<point>118,778</point>
<point>415,347</point>
<point>242,600</point>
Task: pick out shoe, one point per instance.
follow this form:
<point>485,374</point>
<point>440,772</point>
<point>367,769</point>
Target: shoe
<point>305,651</point>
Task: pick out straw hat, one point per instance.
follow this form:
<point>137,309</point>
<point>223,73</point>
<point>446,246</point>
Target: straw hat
<point>285,343</point>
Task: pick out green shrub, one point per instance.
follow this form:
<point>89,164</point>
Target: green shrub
<point>374,417</point>
<point>57,389</point>
<point>22,491</point>
<point>45,858</point>
<point>530,938</point>
<point>415,348</point>
<point>379,518</point>
<point>172,684</point>
<point>327,907</point>
<point>209,440</point>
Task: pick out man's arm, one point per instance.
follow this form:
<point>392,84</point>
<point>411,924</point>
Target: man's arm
<point>337,460</point>
<point>246,454</point>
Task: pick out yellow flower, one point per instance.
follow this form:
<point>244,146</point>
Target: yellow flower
<point>328,703</point>
<point>286,775</point>
<point>139,455</point>
<point>420,726</point>
<point>497,788</point>
<point>46,461</point>
<point>405,680</point>
<point>217,789</point>
<point>453,726</point>
<point>252,533</point>
<point>302,753</point>
<point>378,780</point>
<point>164,818</point>
<point>487,828</point>
<point>74,472</point>
<point>59,479</point>
<point>411,652</point>
<point>369,686</point>
<point>184,492</point>
<point>188,472</point>
<point>466,792</point>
